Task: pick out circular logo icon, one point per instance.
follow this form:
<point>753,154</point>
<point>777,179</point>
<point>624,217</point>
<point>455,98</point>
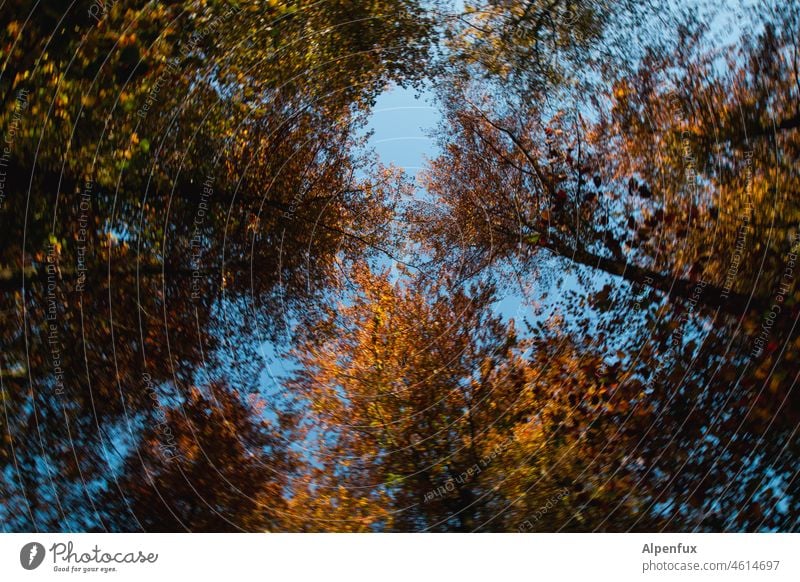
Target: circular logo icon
<point>31,555</point>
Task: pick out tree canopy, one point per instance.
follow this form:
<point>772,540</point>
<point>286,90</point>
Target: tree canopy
<point>220,310</point>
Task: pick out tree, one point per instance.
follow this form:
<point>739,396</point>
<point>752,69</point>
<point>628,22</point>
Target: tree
<point>181,178</point>
<point>623,195</point>
<point>210,464</point>
<point>430,413</point>
<point>676,175</point>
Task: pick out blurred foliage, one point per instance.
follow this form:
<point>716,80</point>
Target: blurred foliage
<point>182,179</point>
<point>185,183</point>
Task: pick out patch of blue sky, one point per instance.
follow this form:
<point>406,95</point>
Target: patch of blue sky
<point>401,128</point>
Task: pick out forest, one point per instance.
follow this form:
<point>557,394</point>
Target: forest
<point>222,311</point>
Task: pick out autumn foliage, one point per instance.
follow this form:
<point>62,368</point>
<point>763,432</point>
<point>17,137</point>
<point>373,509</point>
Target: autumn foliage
<point>220,311</point>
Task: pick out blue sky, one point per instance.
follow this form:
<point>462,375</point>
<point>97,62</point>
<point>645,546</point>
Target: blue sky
<point>402,123</point>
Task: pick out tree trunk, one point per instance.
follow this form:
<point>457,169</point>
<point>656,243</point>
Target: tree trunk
<point>710,295</point>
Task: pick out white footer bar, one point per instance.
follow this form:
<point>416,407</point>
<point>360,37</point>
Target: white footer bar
<point>424,557</point>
